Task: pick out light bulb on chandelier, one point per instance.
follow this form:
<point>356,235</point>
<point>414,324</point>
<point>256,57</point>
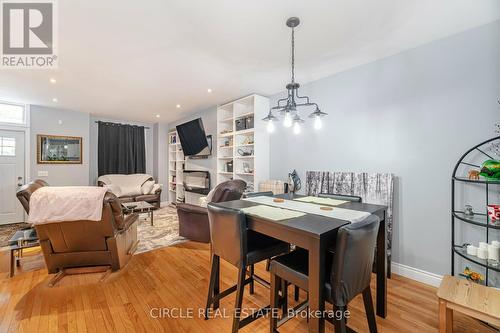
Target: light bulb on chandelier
<point>270,127</point>
<point>296,128</point>
<point>287,121</point>
<point>317,123</point>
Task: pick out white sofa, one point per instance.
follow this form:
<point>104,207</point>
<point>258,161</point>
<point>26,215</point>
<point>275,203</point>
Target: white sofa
<point>133,187</point>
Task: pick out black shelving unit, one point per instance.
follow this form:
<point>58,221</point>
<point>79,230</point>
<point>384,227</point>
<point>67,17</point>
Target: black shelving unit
<point>479,219</point>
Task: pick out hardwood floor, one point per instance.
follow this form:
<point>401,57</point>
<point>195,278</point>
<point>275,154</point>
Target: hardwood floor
<point>177,278</point>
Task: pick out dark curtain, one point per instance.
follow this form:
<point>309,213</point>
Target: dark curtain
<point>121,149</point>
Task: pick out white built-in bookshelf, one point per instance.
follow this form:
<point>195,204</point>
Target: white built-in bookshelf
<point>176,163</point>
<point>246,147</point>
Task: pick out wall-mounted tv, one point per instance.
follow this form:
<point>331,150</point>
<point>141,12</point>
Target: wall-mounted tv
<point>194,141</point>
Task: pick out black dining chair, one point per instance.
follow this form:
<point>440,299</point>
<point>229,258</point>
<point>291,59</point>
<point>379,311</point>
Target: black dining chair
<point>258,194</point>
<point>233,242</point>
<point>347,274</point>
<point>353,198</point>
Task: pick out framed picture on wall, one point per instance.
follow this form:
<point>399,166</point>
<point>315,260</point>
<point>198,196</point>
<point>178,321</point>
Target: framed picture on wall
<point>57,149</point>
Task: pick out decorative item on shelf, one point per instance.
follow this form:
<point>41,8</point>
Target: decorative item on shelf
<point>248,140</point>
<point>493,254</point>
<point>473,175</point>
<point>494,214</point>
<point>239,124</point>
<point>226,131</point>
<point>468,211</point>
<point>242,152</point>
<point>490,170</point>
<point>287,107</point>
<point>229,166</point>
<point>227,143</point>
<point>471,250</point>
<point>249,122</point>
<point>294,182</point>
<point>470,275</point>
<point>247,168</point>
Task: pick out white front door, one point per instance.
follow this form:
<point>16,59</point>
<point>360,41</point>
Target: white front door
<point>11,175</point>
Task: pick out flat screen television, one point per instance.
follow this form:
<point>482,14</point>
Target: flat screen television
<point>194,141</point>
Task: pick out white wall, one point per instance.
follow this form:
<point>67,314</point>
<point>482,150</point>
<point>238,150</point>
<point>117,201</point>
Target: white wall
<point>148,136</point>
<point>160,157</point>
<point>46,120</point>
<point>412,114</point>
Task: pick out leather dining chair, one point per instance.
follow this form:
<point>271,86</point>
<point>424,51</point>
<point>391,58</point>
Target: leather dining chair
<point>259,194</point>
<point>231,241</point>
<point>193,219</point>
<point>348,273</point>
<point>353,198</point>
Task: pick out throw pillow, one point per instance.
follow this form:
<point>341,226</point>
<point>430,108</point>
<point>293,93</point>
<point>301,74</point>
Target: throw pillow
<point>147,186</point>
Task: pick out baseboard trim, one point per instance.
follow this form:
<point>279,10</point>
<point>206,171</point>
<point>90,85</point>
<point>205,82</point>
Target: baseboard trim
<point>416,274</point>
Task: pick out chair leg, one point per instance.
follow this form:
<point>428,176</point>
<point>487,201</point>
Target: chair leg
<point>211,286</point>
<point>239,299</point>
<point>275,287</point>
<point>389,271</point>
<point>217,280</point>
<point>340,323</point>
<point>370,314</point>
<point>284,296</point>
<point>252,283</point>
<point>296,294</point>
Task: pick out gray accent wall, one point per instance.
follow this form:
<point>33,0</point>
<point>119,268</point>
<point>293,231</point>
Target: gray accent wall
<point>412,114</point>
<point>51,121</point>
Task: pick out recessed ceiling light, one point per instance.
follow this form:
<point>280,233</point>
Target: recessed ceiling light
<point>209,90</point>
<point>157,116</point>
<point>52,80</point>
<point>178,106</point>
<point>55,100</point>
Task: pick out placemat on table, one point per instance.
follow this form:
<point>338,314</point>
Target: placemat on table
<point>272,213</point>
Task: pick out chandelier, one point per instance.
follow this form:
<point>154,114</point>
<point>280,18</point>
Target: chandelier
<point>287,107</point>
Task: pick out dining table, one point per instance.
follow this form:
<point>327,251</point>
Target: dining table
<point>315,233</point>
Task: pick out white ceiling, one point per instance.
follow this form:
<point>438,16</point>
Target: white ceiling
<point>135,59</point>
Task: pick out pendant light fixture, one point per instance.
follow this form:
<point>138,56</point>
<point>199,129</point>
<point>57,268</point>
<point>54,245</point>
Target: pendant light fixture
<point>287,107</point>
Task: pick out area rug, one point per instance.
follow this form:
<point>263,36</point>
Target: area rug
<point>8,230</point>
<point>164,232</point>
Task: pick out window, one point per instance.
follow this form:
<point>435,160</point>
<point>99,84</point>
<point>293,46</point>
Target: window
<point>12,113</point>
<point>7,146</point>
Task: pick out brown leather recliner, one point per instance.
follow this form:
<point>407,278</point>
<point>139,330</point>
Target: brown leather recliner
<point>108,242</point>
<point>193,219</point>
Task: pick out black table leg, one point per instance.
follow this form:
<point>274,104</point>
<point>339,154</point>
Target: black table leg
<point>151,213</point>
<point>381,271</point>
<point>316,286</point>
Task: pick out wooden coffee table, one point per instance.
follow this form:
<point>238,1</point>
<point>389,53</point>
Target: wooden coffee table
<point>139,207</point>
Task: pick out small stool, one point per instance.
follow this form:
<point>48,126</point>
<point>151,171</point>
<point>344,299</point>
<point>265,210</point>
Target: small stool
<point>472,299</point>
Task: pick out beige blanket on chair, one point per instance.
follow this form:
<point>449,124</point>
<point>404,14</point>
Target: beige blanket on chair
<point>66,203</point>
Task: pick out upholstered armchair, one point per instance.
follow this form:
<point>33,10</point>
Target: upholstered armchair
<point>108,242</point>
<point>193,219</point>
